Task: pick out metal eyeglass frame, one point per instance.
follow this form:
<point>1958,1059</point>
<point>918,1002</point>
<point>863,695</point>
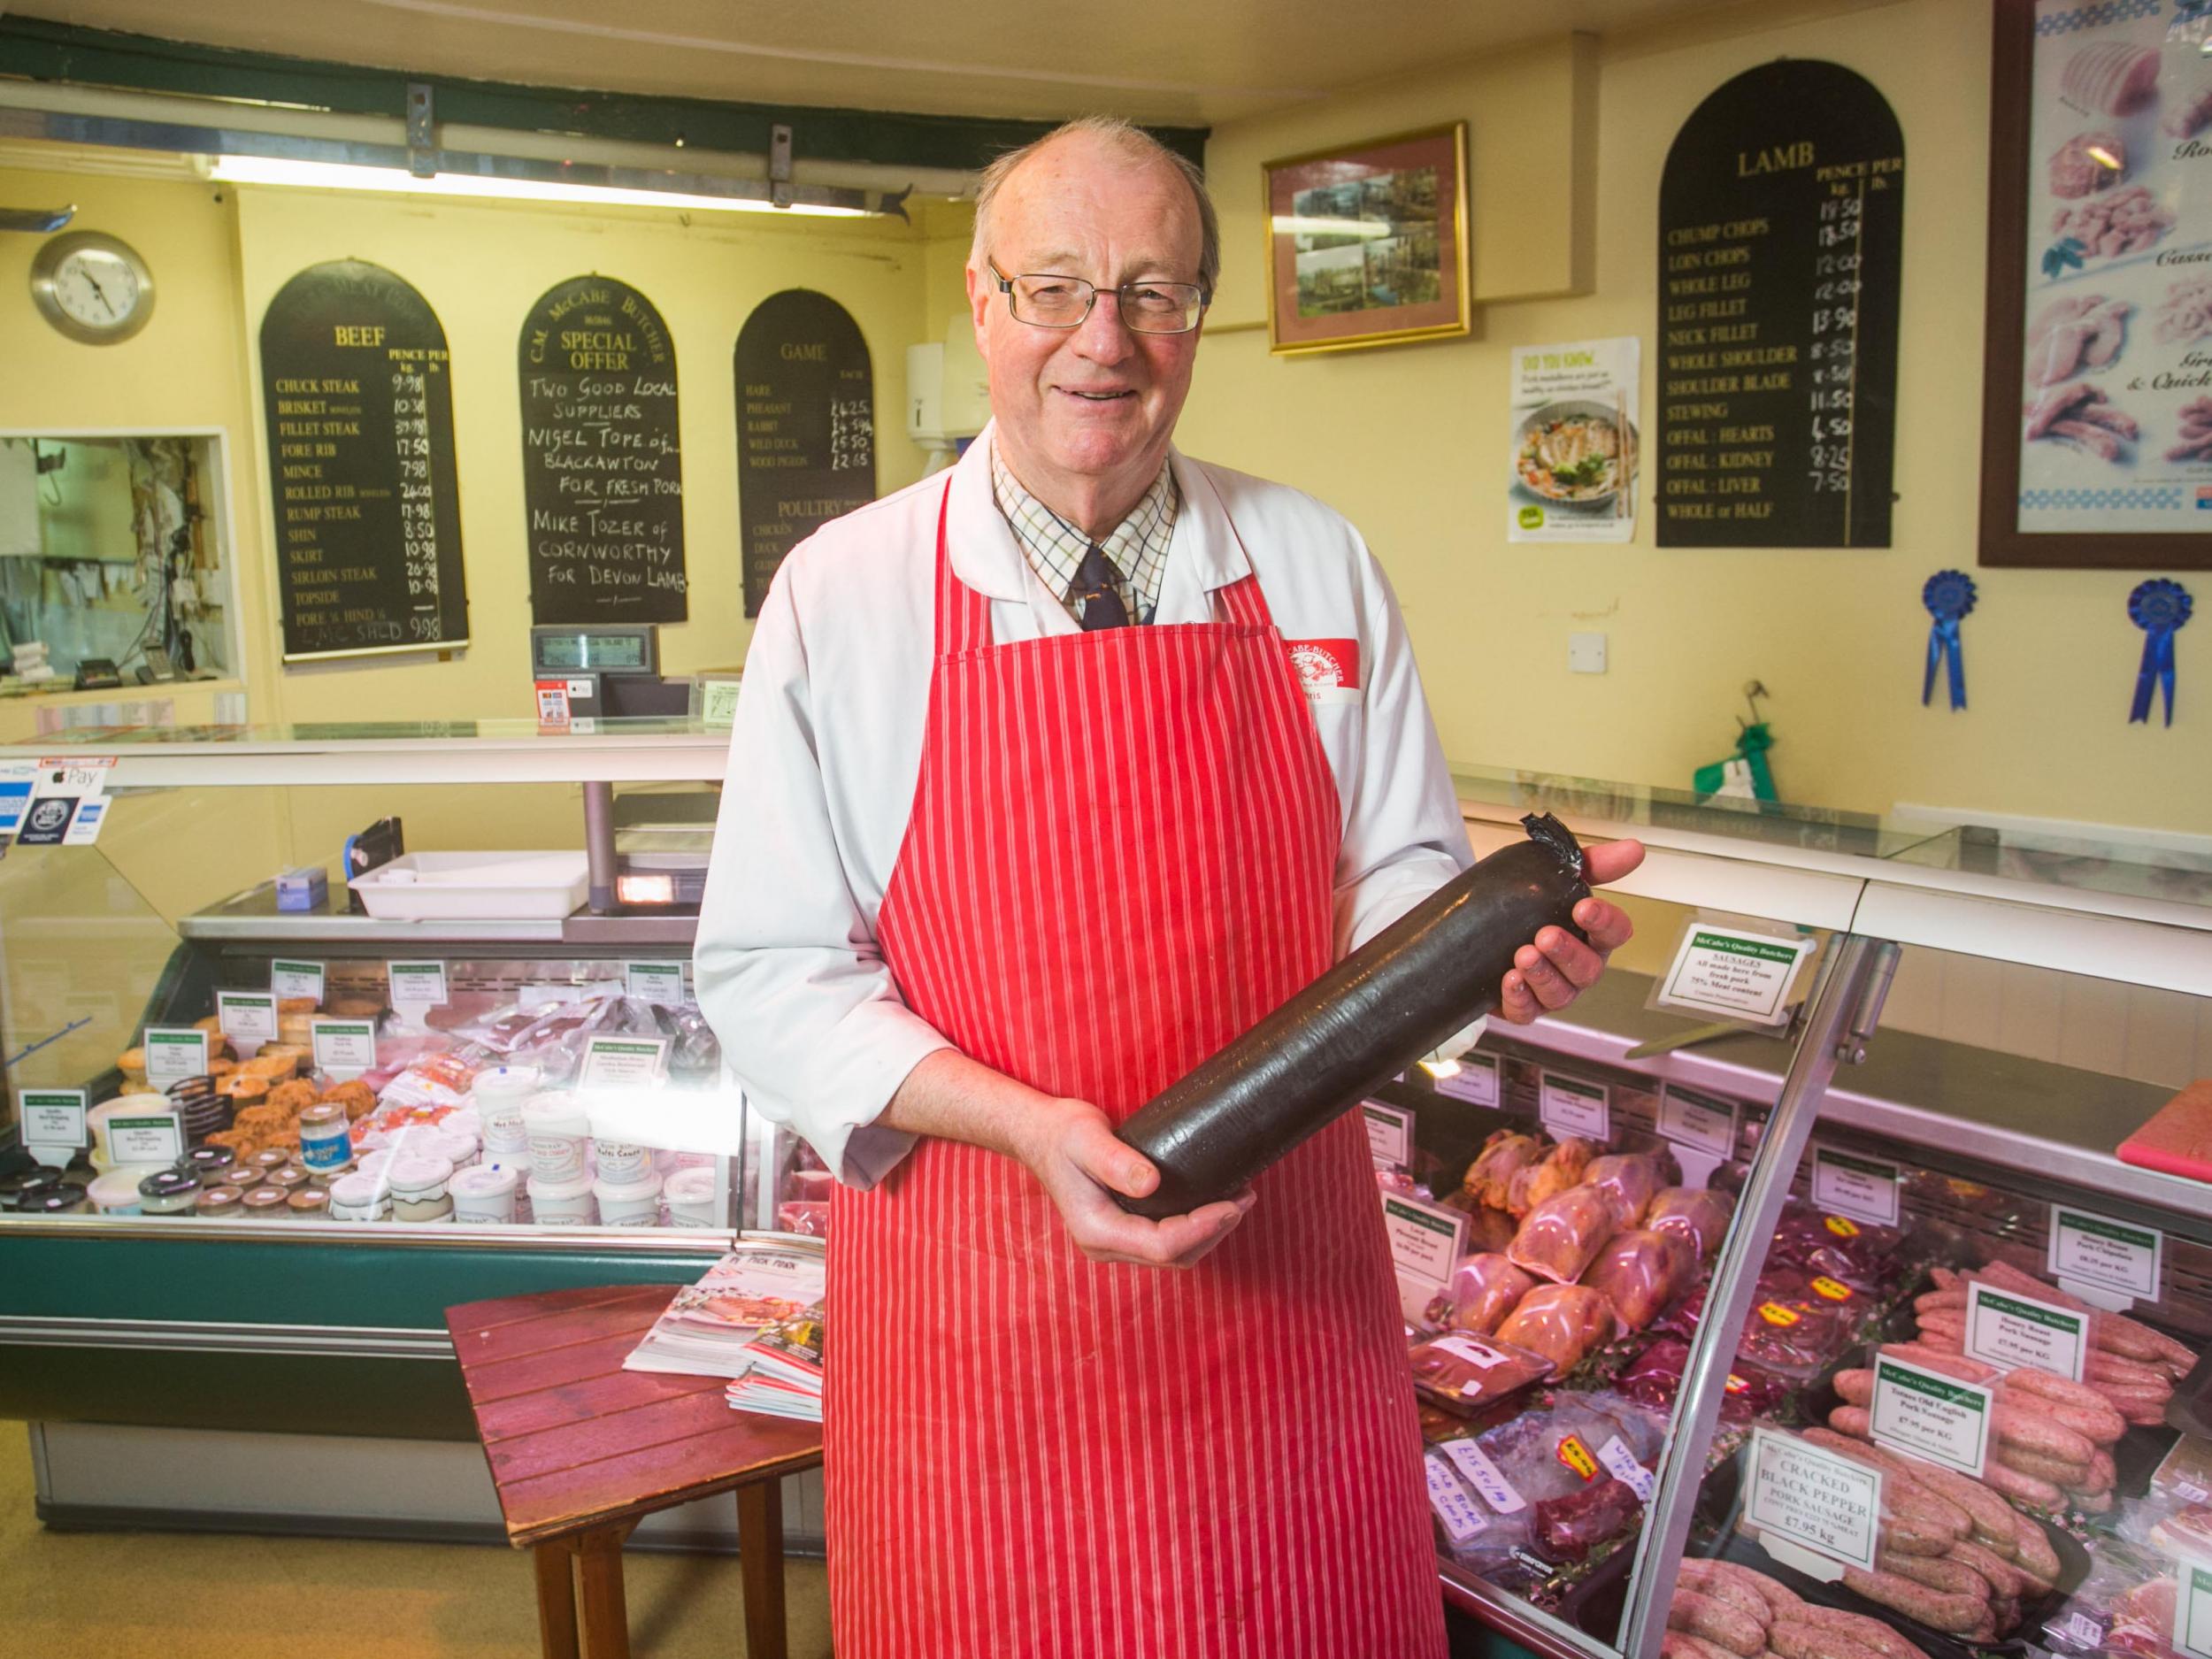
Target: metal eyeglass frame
<point>1121,300</point>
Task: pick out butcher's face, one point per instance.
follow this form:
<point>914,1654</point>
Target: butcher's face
<point>1085,414</point>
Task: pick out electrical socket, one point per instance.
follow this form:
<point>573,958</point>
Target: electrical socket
<point>1585,653</point>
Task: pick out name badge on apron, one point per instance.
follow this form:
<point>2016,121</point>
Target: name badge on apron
<point>1328,669</point>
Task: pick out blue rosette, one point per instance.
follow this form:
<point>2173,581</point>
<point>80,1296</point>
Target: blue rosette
<point>2160,608</point>
<point>1948,596</point>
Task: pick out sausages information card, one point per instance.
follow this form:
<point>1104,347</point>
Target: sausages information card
<point>1828,1508</point>
<point>1389,1133</point>
<point>1424,1239</point>
<point>1781,218</point>
<point>1569,1106</point>
<point>1926,1414</point>
<point>358,395</point>
<point>54,1118</point>
<point>1864,1189</point>
<point>2098,1253</point>
<point>2009,1331</point>
<point>602,466</point>
<point>1476,1081</point>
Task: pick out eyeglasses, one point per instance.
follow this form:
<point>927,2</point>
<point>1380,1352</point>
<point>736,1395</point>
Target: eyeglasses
<point>1044,301</point>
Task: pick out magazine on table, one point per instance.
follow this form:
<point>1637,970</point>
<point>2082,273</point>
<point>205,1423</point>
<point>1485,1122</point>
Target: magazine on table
<point>783,1373</point>
<point>708,1327</point>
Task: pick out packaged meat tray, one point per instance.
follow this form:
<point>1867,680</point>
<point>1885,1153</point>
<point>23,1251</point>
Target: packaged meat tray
<point>1860,1254</point>
<point>1463,1373</point>
<point>1654,1378</point>
<point>1799,1322</point>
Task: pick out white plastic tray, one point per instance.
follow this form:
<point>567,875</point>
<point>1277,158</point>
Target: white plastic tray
<point>483,887</point>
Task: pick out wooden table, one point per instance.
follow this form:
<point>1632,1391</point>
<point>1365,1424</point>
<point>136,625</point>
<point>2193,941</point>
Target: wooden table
<point>581,1450</point>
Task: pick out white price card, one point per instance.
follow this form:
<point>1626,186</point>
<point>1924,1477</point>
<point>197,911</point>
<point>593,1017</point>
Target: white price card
<point>154,1138</point>
<point>623,1062</point>
<point>2009,1331</point>
<point>1489,1478</point>
<point>1865,1189</point>
<point>1424,1239</point>
<point>1733,974</point>
<point>174,1054</point>
<point>717,704</point>
<point>54,1116</point>
<point>1925,1414</point>
<point>298,978</point>
<point>1475,1081</point>
<point>345,1048</point>
<point>1802,1495</point>
<point>417,984</point>
<point>1704,1123</point>
<point>2104,1254</point>
<point>2192,1608</point>
<point>1621,1463</point>
<point>1460,1516</point>
<point>1569,1106</point>
<point>1389,1133</point>
<point>248,1018</point>
<point>660,983</point>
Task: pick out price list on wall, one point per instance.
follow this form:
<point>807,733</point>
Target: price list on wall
<point>357,398</point>
<point>1781,216</point>
<point>601,457</point>
<point>806,441</point>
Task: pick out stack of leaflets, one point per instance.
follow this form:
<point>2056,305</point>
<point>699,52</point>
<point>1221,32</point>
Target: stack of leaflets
<point>783,1375</point>
<point>708,1328</point>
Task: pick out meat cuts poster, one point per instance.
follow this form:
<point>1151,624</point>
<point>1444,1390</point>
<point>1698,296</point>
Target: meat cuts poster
<point>2116,408</point>
<point>1574,441</point>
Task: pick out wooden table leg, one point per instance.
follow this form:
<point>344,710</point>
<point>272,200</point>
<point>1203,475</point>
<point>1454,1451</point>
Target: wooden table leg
<point>606,1617</point>
<point>556,1603</point>
<point>760,1553</point>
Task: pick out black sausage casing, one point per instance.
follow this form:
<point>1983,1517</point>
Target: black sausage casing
<point>1436,969</point>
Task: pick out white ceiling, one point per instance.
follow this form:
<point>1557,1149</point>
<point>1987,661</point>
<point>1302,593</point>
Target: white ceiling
<point>1166,61</point>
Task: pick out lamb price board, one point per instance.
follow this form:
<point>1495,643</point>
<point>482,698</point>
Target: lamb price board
<point>357,393</point>
<point>1781,219</point>
<point>603,472</point>
<point>806,445</point>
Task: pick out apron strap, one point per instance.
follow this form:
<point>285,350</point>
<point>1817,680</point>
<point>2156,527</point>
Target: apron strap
<point>964,616</point>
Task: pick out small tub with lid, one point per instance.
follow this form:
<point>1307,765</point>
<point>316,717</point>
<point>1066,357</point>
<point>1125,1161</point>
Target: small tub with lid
<point>309,1203</point>
<point>289,1177</point>
<point>116,1193</point>
<point>694,1198</point>
<point>629,1203</point>
<point>53,1200</point>
<point>485,1192</point>
<point>559,1132</point>
<point>500,1092</point>
<point>212,1164</point>
<point>219,1203</point>
<point>360,1198</point>
<point>621,1160</point>
<point>168,1192</point>
<point>453,1145</point>
<point>562,1203</point>
<point>420,1188</point>
<point>266,1204</point>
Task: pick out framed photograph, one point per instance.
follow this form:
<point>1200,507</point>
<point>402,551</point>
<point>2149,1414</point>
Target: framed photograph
<point>1367,243</point>
<point>2097,402</point>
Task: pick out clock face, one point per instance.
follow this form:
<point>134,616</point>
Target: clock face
<point>92,287</point>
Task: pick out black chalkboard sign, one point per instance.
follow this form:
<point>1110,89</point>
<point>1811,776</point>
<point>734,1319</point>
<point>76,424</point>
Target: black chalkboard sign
<point>602,469</point>
<point>357,395</point>
<point>806,443</point>
<point>1781,220</point>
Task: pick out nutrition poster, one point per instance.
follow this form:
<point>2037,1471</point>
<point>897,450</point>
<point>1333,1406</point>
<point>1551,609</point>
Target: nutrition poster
<point>1574,443</point>
<point>2116,399</point>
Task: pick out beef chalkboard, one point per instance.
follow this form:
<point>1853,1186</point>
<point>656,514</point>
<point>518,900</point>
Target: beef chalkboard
<point>358,393</point>
<point>603,478</point>
<point>1781,214</point>
<point>806,445</point>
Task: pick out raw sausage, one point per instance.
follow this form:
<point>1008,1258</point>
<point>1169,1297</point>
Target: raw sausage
<point>2033,1555</point>
<point>1859,1627</point>
<point>2051,1469</point>
<point>2005,1581</point>
<point>1717,1622</point>
<point>1937,1572</point>
<point>2023,1488</point>
<point>1934,1609</point>
<point>1780,1598</point>
<point>1792,1639</point>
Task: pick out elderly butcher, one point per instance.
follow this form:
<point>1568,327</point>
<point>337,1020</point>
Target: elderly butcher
<point>1051,775</point>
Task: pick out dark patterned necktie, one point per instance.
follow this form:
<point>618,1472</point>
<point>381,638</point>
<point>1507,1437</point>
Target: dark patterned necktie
<point>1098,585</point>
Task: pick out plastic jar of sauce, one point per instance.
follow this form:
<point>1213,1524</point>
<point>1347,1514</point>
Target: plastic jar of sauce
<point>168,1192</point>
<point>629,1203</point>
<point>289,1177</point>
<point>691,1198</point>
<point>485,1194</point>
<point>309,1203</point>
<point>116,1193</point>
<point>325,1137</point>
<point>257,1165</point>
<point>211,1164</point>
<point>53,1200</point>
<point>621,1160</point>
<point>360,1198</point>
<point>500,1092</point>
<point>219,1203</point>
<point>559,1132</point>
<point>419,1188</point>
<point>266,1204</point>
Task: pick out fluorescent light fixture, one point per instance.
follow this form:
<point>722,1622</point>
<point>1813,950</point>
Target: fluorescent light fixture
<point>323,175</point>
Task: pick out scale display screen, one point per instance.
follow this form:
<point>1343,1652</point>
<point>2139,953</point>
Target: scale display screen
<point>609,650</point>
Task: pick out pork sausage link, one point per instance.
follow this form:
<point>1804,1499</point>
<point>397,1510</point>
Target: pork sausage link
<point>1855,1387</point>
<point>1717,1622</point>
<point>1860,1627</point>
<point>2102,1367</point>
<point>1991,1515</point>
<point>2028,1489</point>
<point>1780,1597</point>
<point>1949,1364</point>
<point>2033,1554</point>
<point>1931,1302</point>
<point>2034,1430</point>
<point>2048,1385</point>
<point>1932,1608</point>
<point>2058,1472</point>
<point>1793,1640</point>
<point>2005,1583</point>
<point>1937,1572</point>
<point>1855,1422</point>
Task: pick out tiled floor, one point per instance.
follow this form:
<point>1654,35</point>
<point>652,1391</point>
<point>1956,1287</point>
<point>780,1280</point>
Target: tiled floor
<point>113,1595</point>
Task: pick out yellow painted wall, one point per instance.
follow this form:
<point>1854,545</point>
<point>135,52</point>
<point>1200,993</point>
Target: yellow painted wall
<point>1412,443</point>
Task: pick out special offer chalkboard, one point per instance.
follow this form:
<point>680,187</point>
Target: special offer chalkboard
<point>1781,220</point>
<point>603,472</point>
<point>806,443</point>
<point>357,395</point>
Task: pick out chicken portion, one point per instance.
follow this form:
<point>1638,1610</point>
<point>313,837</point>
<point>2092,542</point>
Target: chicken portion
<point>2078,416</point>
<point>2077,334</point>
<point>2117,222</point>
<point>2185,316</point>
<point>2196,432</point>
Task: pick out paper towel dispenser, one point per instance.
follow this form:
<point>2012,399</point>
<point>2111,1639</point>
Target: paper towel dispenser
<point>948,390</point>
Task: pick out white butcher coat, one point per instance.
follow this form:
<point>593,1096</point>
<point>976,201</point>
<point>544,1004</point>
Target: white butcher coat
<point>827,747</point>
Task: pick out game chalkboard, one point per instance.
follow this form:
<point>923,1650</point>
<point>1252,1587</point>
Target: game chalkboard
<point>1781,219</point>
<point>603,478</point>
<point>357,395</point>
<point>806,446</point>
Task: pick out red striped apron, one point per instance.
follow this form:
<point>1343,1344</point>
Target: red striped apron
<point>1121,854</point>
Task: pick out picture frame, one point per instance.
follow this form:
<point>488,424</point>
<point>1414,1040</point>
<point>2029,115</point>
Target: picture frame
<point>1367,243</point>
<point>2079,92</point>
